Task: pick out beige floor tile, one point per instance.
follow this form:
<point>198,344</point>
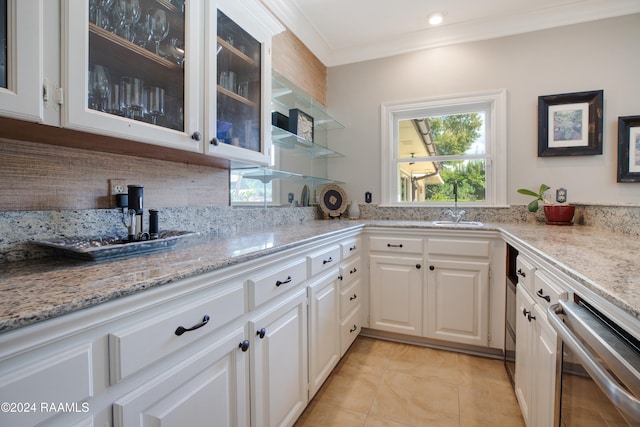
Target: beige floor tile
<point>370,352</point>
<point>381,422</point>
<point>424,362</point>
<point>415,401</point>
<point>479,408</point>
<point>482,374</point>
<point>351,386</point>
<point>320,414</point>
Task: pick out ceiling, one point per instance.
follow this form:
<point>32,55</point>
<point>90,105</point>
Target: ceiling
<point>345,31</point>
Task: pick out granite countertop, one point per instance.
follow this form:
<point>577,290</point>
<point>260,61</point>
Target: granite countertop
<point>32,291</point>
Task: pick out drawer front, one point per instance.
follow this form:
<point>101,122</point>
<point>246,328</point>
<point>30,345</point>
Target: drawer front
<point>350,271</point>
<point>395,244</point>
<point>547,291</point>
<point>349,330</point>
<point>350,298</point>
<point>459,247</point>
<point>63,377</point>
<point>350,247</point>
<point>276,281</point>
<point>525,271</point>
<point>136,347</point>
<point>323,260</point>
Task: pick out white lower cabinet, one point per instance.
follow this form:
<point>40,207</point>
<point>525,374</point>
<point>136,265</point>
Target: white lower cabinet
<point>524,353</point>
<point>397,284</point>
<point>457,302</point>
<point>324,327</point>
<point>208,387</point>
<point>279,383</point>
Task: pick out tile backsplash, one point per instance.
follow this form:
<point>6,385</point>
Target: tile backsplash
<point>18,228</point>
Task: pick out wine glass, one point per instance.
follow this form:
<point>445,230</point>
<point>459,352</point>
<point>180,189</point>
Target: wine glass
<point>154,97</point>
<point>100,15</point>
<point>132,97</point>
<point>141,33</point>
<point>100,85</point>
<point>128,13</point>
<point>158,26</point>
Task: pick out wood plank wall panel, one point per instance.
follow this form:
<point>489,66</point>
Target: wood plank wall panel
<point>45,177</point>
<point>297,63</point>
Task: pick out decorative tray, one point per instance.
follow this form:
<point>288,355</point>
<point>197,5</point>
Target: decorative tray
<point>102,248</point>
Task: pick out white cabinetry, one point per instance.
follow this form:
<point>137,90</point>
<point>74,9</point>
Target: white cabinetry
<point>537,346</point>
<point>279,381</point>
<point>192,91</point>
<point>22,64</point>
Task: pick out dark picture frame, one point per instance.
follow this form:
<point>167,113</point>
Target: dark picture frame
<point>301,124</point>
<point>629,149</point>
<point>570,124</point>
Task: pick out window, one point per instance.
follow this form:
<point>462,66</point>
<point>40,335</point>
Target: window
<point>428,145</point>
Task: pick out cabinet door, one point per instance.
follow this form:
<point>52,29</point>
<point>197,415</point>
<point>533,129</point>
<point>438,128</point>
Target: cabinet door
<point>208,386</point>
<point>525,357</point>
<point>324,329</point>
<point>238,80</point>
<point>457,302</point>
<point>279,381</point>
<point>132,70</point>
<point>396,294</point>
<point>546,369</point>
<point>21,55</point>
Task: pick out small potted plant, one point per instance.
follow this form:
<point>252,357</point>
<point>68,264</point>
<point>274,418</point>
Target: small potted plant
<point>560,214</point>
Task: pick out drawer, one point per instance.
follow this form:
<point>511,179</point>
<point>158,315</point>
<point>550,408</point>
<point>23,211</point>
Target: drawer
<point>525,270</point>
<point>323,260</point>
<point>547,291</point>
<point>276,281</point>
<point>349,330</point>
<point>350,247</point>
<point>395,244</point>
<point>61,377</point>
<point>138,346</point>
<point>459,247</point>
<point>350,271</point>
<point>350,298</point>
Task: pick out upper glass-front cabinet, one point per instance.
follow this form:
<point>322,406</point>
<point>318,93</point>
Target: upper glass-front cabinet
<point>147,70</point>
<point>239,50</point>
<point>21,53</point>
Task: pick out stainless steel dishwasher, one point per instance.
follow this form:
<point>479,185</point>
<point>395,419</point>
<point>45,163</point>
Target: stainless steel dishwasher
<point>600,367</point>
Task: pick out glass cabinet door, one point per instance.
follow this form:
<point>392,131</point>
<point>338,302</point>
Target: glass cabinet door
<point>131,81</point>
<point>238,53</point>
<point>21,54</point>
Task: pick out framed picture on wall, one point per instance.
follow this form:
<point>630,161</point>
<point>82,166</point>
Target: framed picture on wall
<point>570,124</point>
<point>629,149</point>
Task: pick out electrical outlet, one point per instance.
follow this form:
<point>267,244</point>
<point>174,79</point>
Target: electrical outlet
<point>116,186</point>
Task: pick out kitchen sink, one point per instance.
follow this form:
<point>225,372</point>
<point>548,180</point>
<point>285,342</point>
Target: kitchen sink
<point>102,248</point>
<point>459,223</point>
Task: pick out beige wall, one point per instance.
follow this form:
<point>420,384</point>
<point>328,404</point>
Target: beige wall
<point>596,55</point>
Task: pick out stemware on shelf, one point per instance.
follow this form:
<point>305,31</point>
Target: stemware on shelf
<point>141,33</point>
<point>127,13</point>
<point>158,26</point>
<point>100,86</point>
<point>99,13</point>
<point>175,51</point>
<point>154,102</point>
<point>114,105</point>
<point>132,97</point>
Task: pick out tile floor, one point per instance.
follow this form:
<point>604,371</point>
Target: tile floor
<point>385,384</point>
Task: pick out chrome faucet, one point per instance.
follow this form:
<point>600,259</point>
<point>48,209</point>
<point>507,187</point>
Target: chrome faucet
<point>455,214</point>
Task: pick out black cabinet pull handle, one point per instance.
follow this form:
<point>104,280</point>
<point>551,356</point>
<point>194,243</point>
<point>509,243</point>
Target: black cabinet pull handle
<point>278,282</point>
<point>525,312</point>
<point>432,267</point>
<point>181,329</point>
<point>352,248</point>
<point>541,294</point>
<point>353,329</point>
<point>389,245</point>
<point>340,277</point>
<point>353,271</point>
<point>353,297</point>
<point>521,273</point>
<point>196,136</point>
<point>244,345</point>
<point>530,317</point>
<point>327,261</point>
<point>261,333</point>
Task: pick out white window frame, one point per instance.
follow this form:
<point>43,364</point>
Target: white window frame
<point>494,101</point>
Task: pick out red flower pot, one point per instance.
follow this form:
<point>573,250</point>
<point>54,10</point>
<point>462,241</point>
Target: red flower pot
<point>559,215</point>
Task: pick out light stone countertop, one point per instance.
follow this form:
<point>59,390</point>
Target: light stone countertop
<point>32,291</point>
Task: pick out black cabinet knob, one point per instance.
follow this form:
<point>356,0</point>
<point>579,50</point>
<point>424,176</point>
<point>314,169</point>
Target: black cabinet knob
<point>197,136</point>
<point>244,345</point>
<point>432,267</point>
<point>214,141</point>
<point>418,266</point>
<point>261,333</point>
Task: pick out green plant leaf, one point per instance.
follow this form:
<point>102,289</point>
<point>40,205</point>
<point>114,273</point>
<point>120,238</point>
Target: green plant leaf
<point>528,192</point>
<point>543,188</point>
<point>533,206</point>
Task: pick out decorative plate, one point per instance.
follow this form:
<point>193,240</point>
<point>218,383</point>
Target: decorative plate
<point>333,200</point>
<point>304,197</point>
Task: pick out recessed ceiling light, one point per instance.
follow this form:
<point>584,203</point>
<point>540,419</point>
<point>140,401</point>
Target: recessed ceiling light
<point>436,18</point>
